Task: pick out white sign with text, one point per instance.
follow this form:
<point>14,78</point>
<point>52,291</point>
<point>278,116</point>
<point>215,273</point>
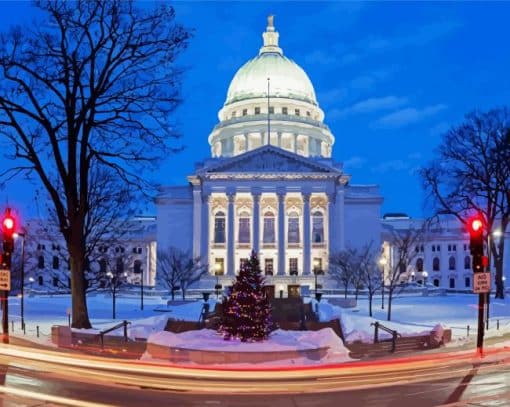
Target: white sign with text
<point>481,283</point>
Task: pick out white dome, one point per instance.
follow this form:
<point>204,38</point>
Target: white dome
<point>287,80</point>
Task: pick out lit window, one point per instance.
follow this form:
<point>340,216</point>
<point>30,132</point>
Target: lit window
<point>244,228</point>
<point>318,227</point>
<point>219,228</point>
<point>293,228</point>
<point>293,269</point>
<point>268,232</point>
<point>268,267</point>
<point>219,266</point>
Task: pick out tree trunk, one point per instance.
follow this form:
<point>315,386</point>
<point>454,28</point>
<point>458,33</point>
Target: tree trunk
<point>500,285</point>
<point>80,315</point>
<point>370,304</point>
<point>390,298</point>
<point>173,292</point>
<point>113,302</point>
<point>345,291</point>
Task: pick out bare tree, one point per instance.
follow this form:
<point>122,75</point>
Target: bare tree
<point>177,269</point>
<point>403,246</point>
<point>471,174</point>
<point>343,266</point>
<point>95,82</point>
<point>370,274</point>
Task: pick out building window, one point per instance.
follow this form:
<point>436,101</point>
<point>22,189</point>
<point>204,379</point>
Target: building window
<point>317,265</point>
<point>435,264</point>
<point>244,228</point>
<point>467,282</point>
<point>119,266</point>
<point>308,114</point>
<point>219,228</point>
<point>465,247</point>
<point>40,262</point>
<point>245,112</point>
<point>293,228</point>
<point>243,263</point>
<point>219,266</point>
<point>467,262</point>
<point>419,265</point>
<point>285,110</point>
<point>271,110</point>
<point>55,281</point>
<point>137,267</point>
<point>454,247</point>
<point>433,248</point>
<point>438,247</point>
<point>56,263</point>
<point>102,266</point>
<point>293,267</point>
<point>317,227</point>
<point>268,267</point>
<point>436,282</point>
<point>257,110</point>
<point>40,280</point>
<point>233,114</point>
<point>268,232</point>
<point>297,112</point>
<point>451,263</point>
<point>452,283</point>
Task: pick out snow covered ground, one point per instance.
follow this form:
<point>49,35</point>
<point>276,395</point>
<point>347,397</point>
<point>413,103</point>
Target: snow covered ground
<point>411,315</point>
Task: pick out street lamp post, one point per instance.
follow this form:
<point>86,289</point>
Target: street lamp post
<point>316,271</point>
<point>496,233</point>
<point>22,277</point>
<point>382,263</point>
<point>141,288</point>
<point>217,287</point>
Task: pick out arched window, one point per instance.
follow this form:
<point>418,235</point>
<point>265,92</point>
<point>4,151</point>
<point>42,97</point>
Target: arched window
<point>119,265</point>
<point>419,264</point>
<point>293,228</point>
<point>452,283</point>
<point>268,232</point>
<point>467,282</point>
<point>40,280</point>
<point>467,262</point>
<point>435,264</point>
<point>219,227</point>
<point>40,262</point>
<point>451,263</point>
<point>436,282</point>
<point>244,228</point>
<point>317,227</point>
<point>137,267</point>
<point>56,262</point>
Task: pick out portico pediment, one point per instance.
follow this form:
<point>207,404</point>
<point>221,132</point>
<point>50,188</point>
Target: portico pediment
<point>269,159</point>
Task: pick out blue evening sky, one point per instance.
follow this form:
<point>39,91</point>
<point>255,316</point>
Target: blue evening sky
<point>391,77</point>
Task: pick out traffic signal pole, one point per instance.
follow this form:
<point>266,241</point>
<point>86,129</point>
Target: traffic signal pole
<point>476,233</point>
<point>8,227</point>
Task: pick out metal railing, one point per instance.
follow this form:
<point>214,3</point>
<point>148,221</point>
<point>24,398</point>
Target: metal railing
<point>113,328</point>
<point>394,334</point>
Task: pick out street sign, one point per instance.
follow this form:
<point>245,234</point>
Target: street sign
<point>481,283</point>
<point>5,279</point>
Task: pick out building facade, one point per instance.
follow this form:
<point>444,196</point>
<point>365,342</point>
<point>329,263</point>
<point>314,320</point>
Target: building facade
<point>270,185</point>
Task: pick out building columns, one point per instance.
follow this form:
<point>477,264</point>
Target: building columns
<point>332,231</point>
<point>306,233</point>
<point>230,234</point>
<point>197,221</point>
<point>204,236</point>
<point>256,221</point>
<point>281,233</point>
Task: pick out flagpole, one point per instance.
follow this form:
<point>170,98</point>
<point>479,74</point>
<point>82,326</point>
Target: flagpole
<point>268,115</point>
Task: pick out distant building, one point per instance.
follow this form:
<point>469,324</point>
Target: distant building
<point>47,266</point>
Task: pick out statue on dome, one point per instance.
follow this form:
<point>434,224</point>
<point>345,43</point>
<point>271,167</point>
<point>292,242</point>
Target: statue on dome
<point>270,21</point>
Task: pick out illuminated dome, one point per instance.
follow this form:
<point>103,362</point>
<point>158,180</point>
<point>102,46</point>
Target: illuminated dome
<point>271,100</point>
<point>287,79</point>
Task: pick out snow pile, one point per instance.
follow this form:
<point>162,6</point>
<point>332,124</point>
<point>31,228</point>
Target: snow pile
<point>279,340</point>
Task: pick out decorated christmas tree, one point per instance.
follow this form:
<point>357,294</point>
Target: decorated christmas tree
<point>246,310</point>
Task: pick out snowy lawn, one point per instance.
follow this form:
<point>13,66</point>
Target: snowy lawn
<point>411,315</point>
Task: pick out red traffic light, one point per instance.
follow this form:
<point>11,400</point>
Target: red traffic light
<point>476,225</point>
<point>8,223</point>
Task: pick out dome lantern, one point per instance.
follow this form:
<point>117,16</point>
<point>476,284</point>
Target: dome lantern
<point>270,37</point>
